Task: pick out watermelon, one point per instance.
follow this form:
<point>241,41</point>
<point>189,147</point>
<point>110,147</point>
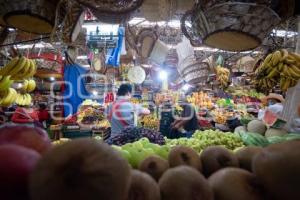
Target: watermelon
<point>276,139</point>
<point>270,118</point>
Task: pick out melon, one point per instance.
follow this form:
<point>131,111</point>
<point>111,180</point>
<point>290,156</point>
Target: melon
<point>240,129</point>
<point>257,126</point>
<point>275,132</point>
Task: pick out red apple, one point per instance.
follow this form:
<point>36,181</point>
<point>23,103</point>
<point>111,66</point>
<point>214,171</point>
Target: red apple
<point>16,164</point>
<point>32,138</point>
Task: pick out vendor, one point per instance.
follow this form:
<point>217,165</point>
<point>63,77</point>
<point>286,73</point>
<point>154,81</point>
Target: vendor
<point>25,115</point>
<point>187,124</point>
<point>43,115</point>
<point>274,104</point>
<point>121,113</point>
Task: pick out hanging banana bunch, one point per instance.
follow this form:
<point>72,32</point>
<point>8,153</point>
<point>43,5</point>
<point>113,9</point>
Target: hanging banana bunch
<point>280,67</point>
<point>223,76</point>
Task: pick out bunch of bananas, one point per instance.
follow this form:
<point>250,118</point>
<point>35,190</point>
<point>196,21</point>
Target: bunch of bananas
<point>23,99</point>
<point>103,124</point>
<point>5,83</point>
<point>223,76</point>
<point>150,122</point>
<point>29,85</point>
<point>8,97</point>
<point>280,67</point>
<point>19,68</point>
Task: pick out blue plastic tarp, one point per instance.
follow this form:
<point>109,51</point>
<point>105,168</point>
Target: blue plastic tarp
<point>113,55</point>
<point>75,92</point>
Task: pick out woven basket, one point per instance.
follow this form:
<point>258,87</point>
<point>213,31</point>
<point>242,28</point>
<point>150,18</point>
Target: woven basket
<point>112,6</point>
<point>146,41</point>
<point>72,23</point>
<point>34,16</point>
<point>232,26</point>
<point>158,10</point>
<point>193,72</point>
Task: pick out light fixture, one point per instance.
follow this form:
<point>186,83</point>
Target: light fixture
<point>52,78</point>
<point>163,75</point>
<point>186,87</point>
<point>95,93</point>
<point>20,85</point>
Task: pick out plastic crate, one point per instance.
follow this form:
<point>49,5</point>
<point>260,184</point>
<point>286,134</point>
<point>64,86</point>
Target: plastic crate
<point>77,134</point>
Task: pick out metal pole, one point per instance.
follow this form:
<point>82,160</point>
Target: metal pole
<point>298,37</point>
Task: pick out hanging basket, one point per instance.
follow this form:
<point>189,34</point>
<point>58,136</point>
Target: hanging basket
<point>158,10</point>
<point>146,41</point>
<point>33,16</point>
<point>194,72</point>
<point>231,25</point>
<point>73,22</point>
<point>112,6</point>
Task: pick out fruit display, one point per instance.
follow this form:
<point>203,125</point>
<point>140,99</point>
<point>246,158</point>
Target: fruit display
<point>132,134</point>
<point>242,91</point>
<point>150,122</point>
<point>168,96</point>
<point>201,99</point>
<point>23,99</point>
<point>161,172</point>
<point>223,76</point>
<point>221,116</point>
<point>254,139</point>
<point>281,67</point>
<point>256,126</point>
<point>204,139</point>
<point>8,97</point>
<point>89,115</point>
<point>19,68</point>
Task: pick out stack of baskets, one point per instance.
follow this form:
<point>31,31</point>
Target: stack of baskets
<point>232,25</point>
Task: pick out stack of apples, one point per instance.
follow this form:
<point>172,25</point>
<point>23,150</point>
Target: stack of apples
<point>21,147</point>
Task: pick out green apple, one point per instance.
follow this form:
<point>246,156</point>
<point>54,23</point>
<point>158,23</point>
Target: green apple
<point>115,147</point>
<point>154,147</point>
<point>144,141</point>
<point>125,154</point>
<point>164,152</point>
<point>128,146</point>
<point>138,145</point>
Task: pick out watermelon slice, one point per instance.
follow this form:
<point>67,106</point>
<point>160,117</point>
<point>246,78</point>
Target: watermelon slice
<point>270,118</point>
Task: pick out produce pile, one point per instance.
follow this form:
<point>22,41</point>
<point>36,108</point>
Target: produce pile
<point>18,69</point>
<point>281,67</point>
<point>33,169</point>
<point>201,99</point>
<point>223,76</point>
<point>256,133</point>
<point>203,139</point>
<point>132,134</point>
<point>150,122</point>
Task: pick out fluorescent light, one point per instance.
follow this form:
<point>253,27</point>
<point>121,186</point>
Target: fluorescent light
<point>82,57</point>
<point>283,33</point>
<point>52,79</point>
<point>209,49</point>
<point>163,75</point>
<point>104,29</point>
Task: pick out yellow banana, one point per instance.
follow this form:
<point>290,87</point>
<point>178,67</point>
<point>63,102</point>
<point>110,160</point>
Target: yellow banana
<point>280,66</point>
<point>32,85</point>
<point>273,73</point>
<point>295,56</point>
<point>21,64</point>
<point>276,58</point>
<point>25,85</point>
<point>284,53</point>
<point>293,71</point>
<point>286,85</point>
<point>268,60</point>
<point>290,60</point>
<point>9,66</point>
<point>33,69</point>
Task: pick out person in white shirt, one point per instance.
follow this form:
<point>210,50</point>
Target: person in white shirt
<point>274,104</point>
